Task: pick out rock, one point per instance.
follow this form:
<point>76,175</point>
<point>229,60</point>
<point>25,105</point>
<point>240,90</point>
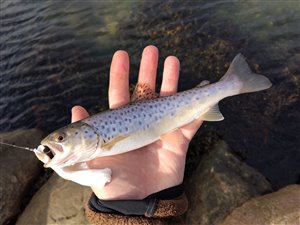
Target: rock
<point>58,202</point>
<point>19,169</point>
<point>281,207</point>
<point>221,183</point>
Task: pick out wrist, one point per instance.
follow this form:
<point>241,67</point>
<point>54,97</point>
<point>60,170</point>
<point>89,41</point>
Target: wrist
<point>158,208</point>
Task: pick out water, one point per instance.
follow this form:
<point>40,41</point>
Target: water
<point>55,55</point>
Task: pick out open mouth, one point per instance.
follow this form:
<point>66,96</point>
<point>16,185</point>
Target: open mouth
<point>48,152</point>
<point>55,153</point>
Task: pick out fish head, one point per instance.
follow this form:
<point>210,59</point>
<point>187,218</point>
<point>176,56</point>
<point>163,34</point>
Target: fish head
<point>69,145</point>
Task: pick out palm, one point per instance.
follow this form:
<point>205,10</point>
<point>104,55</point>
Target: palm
<point>160,165</point>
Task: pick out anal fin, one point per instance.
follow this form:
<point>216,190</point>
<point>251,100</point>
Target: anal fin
<point>213,114</point>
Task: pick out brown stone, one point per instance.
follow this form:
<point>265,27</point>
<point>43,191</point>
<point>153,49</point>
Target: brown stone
<point>58,202</point>
<point>19,169</point>
<point>278,208</point>
<point>221,183</point>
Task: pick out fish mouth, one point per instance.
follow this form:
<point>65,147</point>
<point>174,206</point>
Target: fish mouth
<point>48,152</point>
<point>53,151</point>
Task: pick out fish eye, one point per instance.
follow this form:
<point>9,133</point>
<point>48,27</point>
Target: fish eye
<point>60,137</point>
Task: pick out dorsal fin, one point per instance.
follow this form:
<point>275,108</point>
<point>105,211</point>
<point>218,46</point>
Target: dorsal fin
<point>142,92</point>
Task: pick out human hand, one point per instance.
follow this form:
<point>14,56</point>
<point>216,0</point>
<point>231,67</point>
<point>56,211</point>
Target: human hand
<point>160,165</point>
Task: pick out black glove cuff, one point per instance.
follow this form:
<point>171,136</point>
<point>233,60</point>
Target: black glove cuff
<point>144,207</point>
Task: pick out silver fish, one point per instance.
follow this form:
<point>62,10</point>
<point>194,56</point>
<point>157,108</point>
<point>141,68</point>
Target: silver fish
<point>143,122</point>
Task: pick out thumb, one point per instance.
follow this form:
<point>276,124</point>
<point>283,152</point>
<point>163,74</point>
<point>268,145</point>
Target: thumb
<point>78,113</point>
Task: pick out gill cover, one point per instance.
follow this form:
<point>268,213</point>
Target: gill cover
<point>69,145</point>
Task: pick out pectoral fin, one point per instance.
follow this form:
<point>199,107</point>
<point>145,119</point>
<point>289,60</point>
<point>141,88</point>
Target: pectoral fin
<point>108,145</point>
<point>213,114</point>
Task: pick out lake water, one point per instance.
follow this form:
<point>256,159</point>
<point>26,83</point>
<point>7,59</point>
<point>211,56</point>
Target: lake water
<point>55,55</point>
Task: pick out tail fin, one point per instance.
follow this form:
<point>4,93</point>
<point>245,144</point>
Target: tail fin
<point>251,82</point>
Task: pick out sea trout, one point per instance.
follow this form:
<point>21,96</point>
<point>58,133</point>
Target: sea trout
<point>143,122</point>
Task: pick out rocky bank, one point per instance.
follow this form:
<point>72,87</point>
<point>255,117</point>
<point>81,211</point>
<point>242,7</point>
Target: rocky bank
<point>222,190</point>
<point>221,183</point>
<point>19,170</point>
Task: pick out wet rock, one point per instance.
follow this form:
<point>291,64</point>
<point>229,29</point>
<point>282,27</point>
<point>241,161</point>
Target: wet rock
<point>221,183</point>
<point>19,169</point>
<point>58,202</point>
<point>281,207</point>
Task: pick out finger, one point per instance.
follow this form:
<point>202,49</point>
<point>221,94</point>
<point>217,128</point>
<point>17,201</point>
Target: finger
<point>148,67</point>
<point>118,91</point>
<point>190,129</point>
<point>78,113</point>
<point>170,76</point>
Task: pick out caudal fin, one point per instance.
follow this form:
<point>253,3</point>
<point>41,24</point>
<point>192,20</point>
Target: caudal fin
<point>251,82</point>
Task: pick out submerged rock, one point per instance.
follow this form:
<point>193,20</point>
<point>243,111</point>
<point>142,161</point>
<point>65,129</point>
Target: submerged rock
<point>281,207</point>
<point>19,169</point>
<point>58,202</point>
<point>221,183</point>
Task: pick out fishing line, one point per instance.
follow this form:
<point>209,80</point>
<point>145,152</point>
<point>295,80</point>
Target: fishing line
<point>16,146</point>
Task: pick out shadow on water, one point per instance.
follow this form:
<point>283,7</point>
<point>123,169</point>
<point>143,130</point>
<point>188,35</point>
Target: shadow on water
<point>56,55</point>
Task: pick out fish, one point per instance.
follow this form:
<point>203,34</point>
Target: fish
<point>143,122</point>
